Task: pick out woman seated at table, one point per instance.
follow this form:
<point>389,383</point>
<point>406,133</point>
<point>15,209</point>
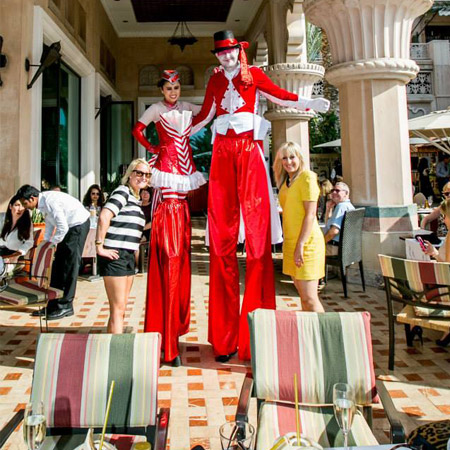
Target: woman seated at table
<point>325,196</point>
<point>437,214</point>
<point>94,198</point>
<point>442,255</point>
<point>16,237</point>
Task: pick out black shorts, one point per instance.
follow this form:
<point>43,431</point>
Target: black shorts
<point>122,267</point>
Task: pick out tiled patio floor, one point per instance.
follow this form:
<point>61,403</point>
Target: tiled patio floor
<point>203,394</point>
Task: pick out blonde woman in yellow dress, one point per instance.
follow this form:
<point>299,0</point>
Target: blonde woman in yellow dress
<point>304,245</point>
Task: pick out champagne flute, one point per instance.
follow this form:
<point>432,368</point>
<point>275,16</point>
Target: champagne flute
<point>344,408</point>
<point>34,425</point>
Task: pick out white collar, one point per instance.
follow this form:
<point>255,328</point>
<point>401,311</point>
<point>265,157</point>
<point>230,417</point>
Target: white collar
<point>231,75</point>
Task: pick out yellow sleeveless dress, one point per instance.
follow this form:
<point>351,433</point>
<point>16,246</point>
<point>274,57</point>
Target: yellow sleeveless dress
<point>304,188</point>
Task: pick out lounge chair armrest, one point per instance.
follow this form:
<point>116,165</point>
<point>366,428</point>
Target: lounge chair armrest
<point>397,430</point>
<point>244,399</point>
<point>162,429</point>
<point>7,430</point>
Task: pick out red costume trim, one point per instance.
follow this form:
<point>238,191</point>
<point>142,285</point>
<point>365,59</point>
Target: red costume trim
<point>172,76</point>
<point>225,43</point>
<point>138,133</point>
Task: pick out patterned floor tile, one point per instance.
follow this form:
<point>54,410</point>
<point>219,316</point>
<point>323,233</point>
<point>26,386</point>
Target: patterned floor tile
<point>202,393</point>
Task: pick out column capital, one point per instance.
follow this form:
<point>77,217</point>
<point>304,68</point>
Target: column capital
<point>367,30</point>
<point>402,70</point>
<point>294,77</point>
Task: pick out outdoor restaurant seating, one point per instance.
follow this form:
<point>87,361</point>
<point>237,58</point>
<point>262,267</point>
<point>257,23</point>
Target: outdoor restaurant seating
<point>36,291</point>
<point>422,290</point>
<point>72,377</point>
<point>350,247</point>
<point>322,349</point>
<point>29,257</point>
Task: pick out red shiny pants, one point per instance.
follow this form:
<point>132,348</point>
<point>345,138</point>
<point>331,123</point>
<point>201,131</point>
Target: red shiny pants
<point>169,275</point>
<point>237,180</point>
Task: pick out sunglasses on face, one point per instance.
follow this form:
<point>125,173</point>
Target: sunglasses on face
<point>95,193</point>
<point>446,194</point>
<point>335,191</point>
<point>142,174</point>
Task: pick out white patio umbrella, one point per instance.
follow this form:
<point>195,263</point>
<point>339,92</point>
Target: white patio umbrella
<point>434,128</point>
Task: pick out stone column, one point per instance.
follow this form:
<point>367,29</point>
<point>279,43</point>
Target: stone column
<point>440,55</point>
<point>289,124</point>
<point>370,44</point>
<point>16,25</point>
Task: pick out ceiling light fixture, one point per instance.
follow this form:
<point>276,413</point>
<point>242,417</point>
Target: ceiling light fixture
<point>182,36</point>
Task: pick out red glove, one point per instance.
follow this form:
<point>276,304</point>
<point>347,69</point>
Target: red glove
<point>138,133</point>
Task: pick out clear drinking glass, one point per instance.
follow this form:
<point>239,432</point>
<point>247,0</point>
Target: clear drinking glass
<point>344,408</point>
<point>34,425</point>
<point>237,436</point>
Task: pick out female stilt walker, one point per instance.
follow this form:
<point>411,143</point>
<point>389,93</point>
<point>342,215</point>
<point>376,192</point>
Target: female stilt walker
<point>174,173</point>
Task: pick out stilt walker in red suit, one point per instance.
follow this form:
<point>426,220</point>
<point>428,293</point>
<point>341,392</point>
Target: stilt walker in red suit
<point>174,173</point>
<point>238,182</point>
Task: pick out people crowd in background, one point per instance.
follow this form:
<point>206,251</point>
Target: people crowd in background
<point>146,206</point>
<point>93,199</point>
<point>16,237</point>
<point>425,186</point>
<point>337,207</point>
<point>442,171</point>
<point>66,226</point>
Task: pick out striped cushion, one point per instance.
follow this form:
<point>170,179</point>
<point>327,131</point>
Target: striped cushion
<point>423,281</point>
<point>72,441</point>
<point>317,423</point>
<point>322,348</point>
<point>28,293</point>
<point>73,374</point>
<point>42,261</point>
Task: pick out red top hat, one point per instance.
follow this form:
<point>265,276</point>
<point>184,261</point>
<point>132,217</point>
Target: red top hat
<point>224,40</point>
<point>172,76</point>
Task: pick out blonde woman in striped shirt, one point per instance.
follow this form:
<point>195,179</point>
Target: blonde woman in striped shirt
<point>119,232</point>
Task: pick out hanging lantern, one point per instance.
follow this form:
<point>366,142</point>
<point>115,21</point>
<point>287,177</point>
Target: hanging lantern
<point>182,36</point>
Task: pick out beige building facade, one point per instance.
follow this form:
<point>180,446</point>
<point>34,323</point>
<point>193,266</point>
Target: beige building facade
<point>49,134</point>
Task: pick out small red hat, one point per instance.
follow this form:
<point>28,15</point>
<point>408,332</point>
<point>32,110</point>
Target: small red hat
<point>172,76</point>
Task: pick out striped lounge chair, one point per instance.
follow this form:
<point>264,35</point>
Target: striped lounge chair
<point>323,349</point>
<point>72,377</point>
<point>422,289</point>
<point>35,292</point>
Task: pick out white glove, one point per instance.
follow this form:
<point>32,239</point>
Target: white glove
<point>317,104</point>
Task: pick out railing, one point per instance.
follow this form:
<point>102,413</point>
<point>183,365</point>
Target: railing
<point>420,85</point>
<point>419,52</point>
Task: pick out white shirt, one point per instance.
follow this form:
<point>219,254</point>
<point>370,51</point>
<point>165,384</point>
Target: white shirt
<point>12,241</point>
<point>61,211</point>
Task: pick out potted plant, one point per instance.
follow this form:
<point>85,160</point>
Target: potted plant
<point>38,223</point>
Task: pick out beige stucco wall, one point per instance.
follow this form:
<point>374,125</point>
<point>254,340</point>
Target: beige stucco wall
<point>16,17</point>
<point>136,53</point>
<point>16,27</point>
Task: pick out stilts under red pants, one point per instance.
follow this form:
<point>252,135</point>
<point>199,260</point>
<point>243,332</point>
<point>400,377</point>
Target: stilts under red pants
<point>237,178</point>
<point>169,275</point>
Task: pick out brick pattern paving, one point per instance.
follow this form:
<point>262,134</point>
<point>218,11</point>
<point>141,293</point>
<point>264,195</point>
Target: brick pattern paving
<point>202,394</point>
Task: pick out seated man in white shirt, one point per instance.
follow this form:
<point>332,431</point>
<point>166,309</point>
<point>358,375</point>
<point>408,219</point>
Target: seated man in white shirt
<point>67,226</point>
<point>340,198</point>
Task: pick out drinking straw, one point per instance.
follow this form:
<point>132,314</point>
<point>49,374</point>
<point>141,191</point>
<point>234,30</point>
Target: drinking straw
<point>108,407</point>
<point>297,414</point>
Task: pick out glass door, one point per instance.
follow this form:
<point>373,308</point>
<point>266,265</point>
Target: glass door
<point>60,139</point>
<point>116,142</point>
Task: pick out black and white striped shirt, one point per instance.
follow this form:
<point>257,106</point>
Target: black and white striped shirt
<point>125,229</point>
